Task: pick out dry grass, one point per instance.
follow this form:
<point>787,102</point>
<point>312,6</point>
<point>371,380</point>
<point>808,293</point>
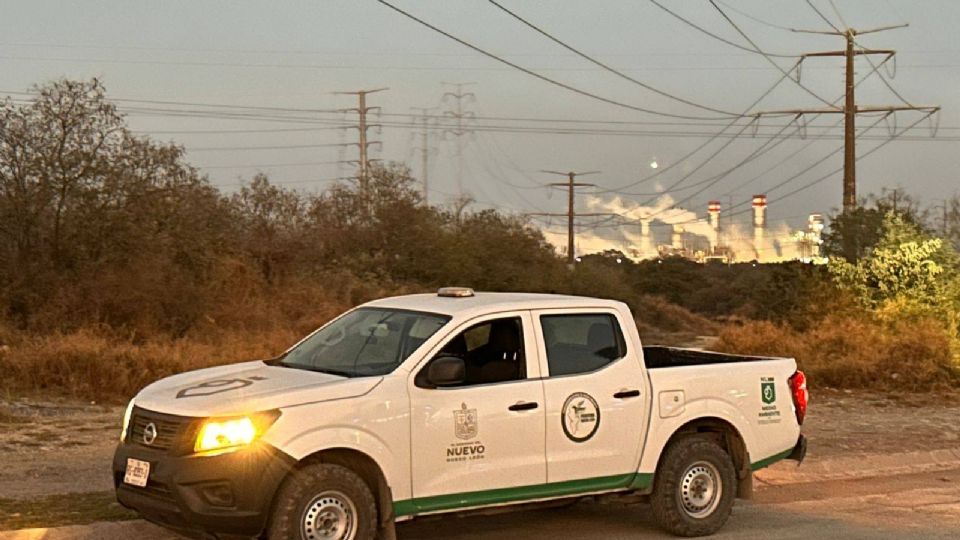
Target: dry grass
<point>96,367</point>
<point>845,352</point>
<point>657,315</point>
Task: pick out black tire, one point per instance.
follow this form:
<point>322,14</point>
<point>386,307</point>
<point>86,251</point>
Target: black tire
<point>688,465</point>
<point>334,488</point>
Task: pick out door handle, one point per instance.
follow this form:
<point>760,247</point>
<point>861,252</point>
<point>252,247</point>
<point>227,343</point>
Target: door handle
<point>624,394</point>
<point>523,406</point>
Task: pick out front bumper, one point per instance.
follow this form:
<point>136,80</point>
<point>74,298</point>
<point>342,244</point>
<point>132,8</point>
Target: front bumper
<point>219,496</point>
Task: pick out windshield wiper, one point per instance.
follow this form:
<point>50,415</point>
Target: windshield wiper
<point>329,371</point>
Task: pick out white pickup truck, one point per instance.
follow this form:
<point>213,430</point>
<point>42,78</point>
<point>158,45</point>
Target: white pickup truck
<point>456,402</point>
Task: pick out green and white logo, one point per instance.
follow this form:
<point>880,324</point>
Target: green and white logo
<point>768,391</point>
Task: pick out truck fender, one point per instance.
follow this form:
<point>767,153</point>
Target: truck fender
<point>312,442</point>
<point>703,410</point>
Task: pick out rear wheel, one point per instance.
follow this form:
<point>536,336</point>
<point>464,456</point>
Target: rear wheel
<point>695,487</point>
<point>324,502</point>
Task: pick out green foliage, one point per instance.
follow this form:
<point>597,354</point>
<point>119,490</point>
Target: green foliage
<point>781,292</point>
<point>906,273</point>
<point>853,233</point>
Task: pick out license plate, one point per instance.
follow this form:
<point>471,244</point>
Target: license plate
<point>137,472</point>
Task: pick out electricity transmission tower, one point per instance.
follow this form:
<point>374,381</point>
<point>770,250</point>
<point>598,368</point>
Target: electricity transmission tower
<point>571,185</point>
<point>362,126</point>
<point>850,109</point>
<point>426,122</point>
<point>460,118</point>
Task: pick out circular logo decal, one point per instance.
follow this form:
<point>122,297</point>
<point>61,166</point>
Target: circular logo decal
<point>580,417</point>
<point>150,433</point>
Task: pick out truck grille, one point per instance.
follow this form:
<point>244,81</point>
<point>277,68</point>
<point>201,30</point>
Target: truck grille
<point>169,430</point>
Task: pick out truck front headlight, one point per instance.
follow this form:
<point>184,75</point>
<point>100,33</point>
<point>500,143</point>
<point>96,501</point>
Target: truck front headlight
<point>233,433</point>
<point>126,421</point>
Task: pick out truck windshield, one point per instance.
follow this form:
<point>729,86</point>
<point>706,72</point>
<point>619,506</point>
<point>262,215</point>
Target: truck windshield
<point>364,342</point>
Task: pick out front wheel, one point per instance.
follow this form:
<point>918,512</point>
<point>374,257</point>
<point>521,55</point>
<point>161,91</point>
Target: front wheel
<point>324,502</point>
<point>695,487</point>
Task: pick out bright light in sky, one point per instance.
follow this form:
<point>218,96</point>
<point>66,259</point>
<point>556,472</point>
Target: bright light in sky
<point>654,164</point>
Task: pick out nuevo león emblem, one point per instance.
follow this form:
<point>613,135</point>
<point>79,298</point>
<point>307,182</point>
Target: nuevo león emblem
<point>768,391</point>
<point>465,423</point>
<point>580,417</point>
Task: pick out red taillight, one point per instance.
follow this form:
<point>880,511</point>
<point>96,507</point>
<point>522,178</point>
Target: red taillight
<point>798,387</point>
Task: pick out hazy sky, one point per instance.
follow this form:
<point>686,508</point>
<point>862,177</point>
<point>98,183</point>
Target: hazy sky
<point>295,54</point>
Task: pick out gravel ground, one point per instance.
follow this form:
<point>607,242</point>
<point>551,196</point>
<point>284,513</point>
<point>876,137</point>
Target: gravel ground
<point>845,423</point>
<point>52,448</point>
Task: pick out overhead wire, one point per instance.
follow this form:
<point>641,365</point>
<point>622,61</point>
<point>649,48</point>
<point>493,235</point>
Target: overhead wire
<point>766,55</point>
<point>754,18</point>
<point>540,76</point>
<point>718,37</point>
<point>839,169</point>
<point>607,67</point>
<point>862,79</point>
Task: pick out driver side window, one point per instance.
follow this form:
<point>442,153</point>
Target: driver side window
<point>492,351</point>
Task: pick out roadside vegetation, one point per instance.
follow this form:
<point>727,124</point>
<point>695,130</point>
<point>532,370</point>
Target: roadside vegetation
<point>120,263</point>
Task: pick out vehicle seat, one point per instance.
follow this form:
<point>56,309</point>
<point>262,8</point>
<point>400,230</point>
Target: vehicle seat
<point>500,359</point>
<point>601,342</point>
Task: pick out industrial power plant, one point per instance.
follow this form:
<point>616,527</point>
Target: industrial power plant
<point>665,230</point>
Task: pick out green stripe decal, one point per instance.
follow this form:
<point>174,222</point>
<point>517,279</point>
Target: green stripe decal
<point>522,493</point>
<point>770,460</point>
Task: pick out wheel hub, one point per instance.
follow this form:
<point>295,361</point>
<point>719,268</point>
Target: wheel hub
<point>700,490</point>
<point>330,516</point>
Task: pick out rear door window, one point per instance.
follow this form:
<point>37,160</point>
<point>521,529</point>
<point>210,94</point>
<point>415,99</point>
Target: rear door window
<point>581,342</point>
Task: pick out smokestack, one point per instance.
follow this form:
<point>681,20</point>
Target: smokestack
<point>713,210</point>
<point>815,223</point>
<point>815,227</point>
<point>759,224</point>
<point>676,240</point>
<point>645,228</point>
<point>759,211</point>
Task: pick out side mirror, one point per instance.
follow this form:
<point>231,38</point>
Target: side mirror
<point>443,371</point>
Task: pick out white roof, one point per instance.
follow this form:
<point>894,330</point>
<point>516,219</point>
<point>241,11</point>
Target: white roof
<point>489,302</point>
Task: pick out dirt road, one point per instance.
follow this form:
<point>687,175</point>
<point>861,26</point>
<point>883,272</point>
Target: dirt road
<point>906,507</point>
<point>877,468</point>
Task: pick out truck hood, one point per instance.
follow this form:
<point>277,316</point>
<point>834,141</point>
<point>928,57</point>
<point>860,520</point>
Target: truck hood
<point>247,387</point>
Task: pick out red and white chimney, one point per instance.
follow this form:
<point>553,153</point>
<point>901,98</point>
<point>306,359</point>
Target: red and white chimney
<point>759,211</point>
<point>713,210</point>
<point>760,226</point>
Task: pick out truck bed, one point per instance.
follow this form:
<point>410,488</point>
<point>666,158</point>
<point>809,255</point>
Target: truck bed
<point>666,357</point>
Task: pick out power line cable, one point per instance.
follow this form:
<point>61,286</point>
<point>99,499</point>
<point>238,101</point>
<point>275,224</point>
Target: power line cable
<point>753,18</point>
<point>688,22</point>
<point>835,171</point>
<point>767,56</point>
<point>883,79</point>
<point>823,17</point>
<point>606,66</point>
<point>541,76</point>
<point>663,170</point>
<point>280,147</point>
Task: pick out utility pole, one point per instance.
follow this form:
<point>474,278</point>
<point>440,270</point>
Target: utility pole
<point>424,148</point>
<point>459,115</point>
<point>571,185</point>
<point>850,108</point>
<point>895,198</point>
<point>362,126</point>
<point>944,227</point>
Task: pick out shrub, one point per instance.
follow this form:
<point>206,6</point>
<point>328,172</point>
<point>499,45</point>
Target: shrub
<point>97,367</point>
<point>848,352</point>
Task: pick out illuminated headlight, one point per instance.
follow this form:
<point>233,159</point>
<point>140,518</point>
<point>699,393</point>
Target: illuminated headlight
<point>126,421</point>
<point>233,433</point>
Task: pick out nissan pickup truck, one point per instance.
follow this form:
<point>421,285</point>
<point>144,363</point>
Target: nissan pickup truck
<point>456,402</point>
